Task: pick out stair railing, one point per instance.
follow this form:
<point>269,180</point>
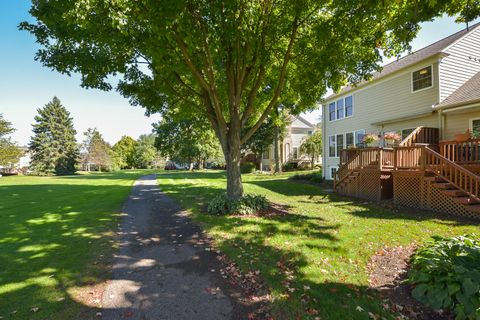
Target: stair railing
<point>462,178</point>
<point>421,135</point>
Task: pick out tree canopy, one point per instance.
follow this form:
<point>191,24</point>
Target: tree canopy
<point>186,139</point>
<point>145,153</point>
<point>96,151</point>
<point>312,146</point>
<point>9,151</point>
<point>53,145</point>
<point>125,152</point>
<point>232,61</point>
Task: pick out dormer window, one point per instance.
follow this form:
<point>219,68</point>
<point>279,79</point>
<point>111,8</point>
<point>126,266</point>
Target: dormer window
<point>422,79</point>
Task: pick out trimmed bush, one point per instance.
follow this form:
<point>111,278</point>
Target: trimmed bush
<point>290,166</point>
<point>311,177</point>
<point>248,204</point>
<point>248,167</point>
<point>446,275</point>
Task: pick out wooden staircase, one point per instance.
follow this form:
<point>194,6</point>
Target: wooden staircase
<point>453,180</point>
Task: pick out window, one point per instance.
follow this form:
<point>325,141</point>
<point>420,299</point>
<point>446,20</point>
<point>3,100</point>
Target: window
<point>475,128</point>
<point>340,109</point>
<point>266,155</point>
<point>295,153</point>
<point>406,132</point>
<point>309,133</point>
<point>348,106</point>
<point>332,112</point>
<point>422,79</point>
<point>333,170</point>
<point>359,134</point>
<point>331,146</point>
<point>350,139</point>
<point>339,143</point>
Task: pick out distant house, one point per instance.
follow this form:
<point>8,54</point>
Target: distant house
<point>429,99</point>
<point>298,129</point>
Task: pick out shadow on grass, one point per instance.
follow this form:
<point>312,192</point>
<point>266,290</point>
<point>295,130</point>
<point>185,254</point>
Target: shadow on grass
<point>363,208</point>
<point>248,241</point>
<point>53,238</point>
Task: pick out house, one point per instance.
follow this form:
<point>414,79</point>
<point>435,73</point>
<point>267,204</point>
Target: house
<point>298,129</point>
<point>429,98</point>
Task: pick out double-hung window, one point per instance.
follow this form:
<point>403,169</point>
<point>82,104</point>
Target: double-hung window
<point>331,146</point>
<point>475,128</point>
<point>332,112</point>
<point>350,139</point>
<point>348,106</point>
<point>422,79</point>
<point>339,144</point>
<point>340,109</point>
<point>359,134</point>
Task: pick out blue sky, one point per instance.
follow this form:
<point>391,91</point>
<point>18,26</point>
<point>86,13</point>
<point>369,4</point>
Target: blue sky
<point>25,85</point>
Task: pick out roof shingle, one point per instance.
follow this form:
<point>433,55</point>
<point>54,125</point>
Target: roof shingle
<point>469,92</point>
<point>411,59</point>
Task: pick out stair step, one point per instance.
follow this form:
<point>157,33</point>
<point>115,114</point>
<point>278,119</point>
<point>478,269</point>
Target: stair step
<point>474,208</point>
<point>454,193</point>
<point>444,185</point>
<point>466,200</point>
<point>434,179</point>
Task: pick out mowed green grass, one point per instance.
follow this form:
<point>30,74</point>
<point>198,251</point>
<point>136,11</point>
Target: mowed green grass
<point>56,234</point>
<point>320,250</point>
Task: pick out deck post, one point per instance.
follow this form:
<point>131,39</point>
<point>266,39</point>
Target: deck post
<point>380,158</point>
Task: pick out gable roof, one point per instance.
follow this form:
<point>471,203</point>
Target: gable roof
<point>410,59</point>
<point>469,92</point>
<point>301,119</point>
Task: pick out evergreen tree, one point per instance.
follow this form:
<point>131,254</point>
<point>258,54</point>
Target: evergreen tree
<point>53,146</point>
<point>9,151</point>
<point>97,151</point>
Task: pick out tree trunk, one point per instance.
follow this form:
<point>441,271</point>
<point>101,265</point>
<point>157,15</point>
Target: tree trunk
<point>276,152</point>
<point>313,161</point>
<point>232,158</point>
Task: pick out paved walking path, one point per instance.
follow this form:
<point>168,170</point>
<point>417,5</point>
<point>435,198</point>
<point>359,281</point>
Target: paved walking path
<point>162,271</point>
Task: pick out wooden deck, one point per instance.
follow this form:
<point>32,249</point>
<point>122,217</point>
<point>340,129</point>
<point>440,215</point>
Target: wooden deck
<point>441,177</point>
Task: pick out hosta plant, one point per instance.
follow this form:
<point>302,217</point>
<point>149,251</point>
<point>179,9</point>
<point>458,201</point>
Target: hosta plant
<point>446,275</point>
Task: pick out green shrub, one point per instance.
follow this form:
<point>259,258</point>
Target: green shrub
<point>248,167</point>
<point>311,177</point>
<point>446,275</point>
<point>248,204</point>
<point>290,166</point>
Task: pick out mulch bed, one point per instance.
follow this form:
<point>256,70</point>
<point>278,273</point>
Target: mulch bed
<point>387,270</point>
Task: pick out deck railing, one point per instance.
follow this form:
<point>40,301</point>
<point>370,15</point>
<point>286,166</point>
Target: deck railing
<point>360,158</point>
<point>421,135</point>
<point>467,152</point>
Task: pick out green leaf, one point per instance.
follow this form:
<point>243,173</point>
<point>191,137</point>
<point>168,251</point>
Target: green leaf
<point>469,287</point>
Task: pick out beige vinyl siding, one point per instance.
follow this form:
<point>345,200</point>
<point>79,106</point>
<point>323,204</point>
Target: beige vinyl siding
<point>390,98</point>
<point>457,68</point>
<point>458,122</point>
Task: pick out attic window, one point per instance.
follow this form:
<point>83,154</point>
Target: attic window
<point>422,79</point>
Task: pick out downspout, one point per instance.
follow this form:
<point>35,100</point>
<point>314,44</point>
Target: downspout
<point>324,144</point>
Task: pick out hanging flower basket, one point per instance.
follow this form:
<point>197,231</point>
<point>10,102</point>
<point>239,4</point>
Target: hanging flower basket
<point>370,139</point>
<point>391,137</point>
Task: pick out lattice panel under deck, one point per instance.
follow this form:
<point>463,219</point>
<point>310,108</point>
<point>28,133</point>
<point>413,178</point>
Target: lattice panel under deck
<point>439,202</point>
<point>369,186</point>
<point>408,190</point>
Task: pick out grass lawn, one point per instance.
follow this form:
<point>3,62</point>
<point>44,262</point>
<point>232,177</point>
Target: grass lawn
<point>319,251</point>
<point>55,234</point>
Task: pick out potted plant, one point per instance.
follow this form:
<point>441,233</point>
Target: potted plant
<point>391,137</point>
<point>370,139</point>
<point>462,137</point>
